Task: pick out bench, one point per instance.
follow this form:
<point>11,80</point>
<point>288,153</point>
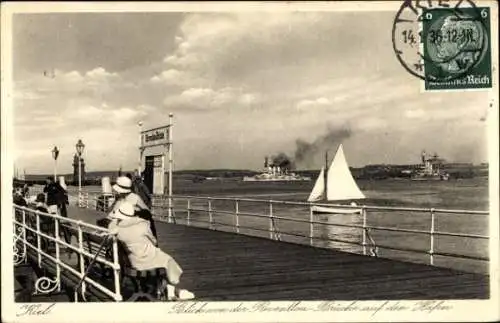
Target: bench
<point>148,285</point>
<point>104,202</point>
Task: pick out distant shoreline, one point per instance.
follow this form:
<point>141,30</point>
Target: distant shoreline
<point>373,172</point>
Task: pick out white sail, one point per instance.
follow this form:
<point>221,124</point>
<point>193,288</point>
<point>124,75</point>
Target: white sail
<point>341,184</point>
<point>319,187</point>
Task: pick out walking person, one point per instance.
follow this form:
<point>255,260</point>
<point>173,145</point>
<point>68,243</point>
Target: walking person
<point>136,235</point>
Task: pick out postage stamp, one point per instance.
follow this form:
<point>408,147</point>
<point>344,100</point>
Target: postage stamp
<point>447,46</point>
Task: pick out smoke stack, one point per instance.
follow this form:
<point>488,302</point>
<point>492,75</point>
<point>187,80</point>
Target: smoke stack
<point>266,162</point>
<point>282,163</point>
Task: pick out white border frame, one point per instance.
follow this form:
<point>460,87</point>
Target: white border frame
<point>462,310</point>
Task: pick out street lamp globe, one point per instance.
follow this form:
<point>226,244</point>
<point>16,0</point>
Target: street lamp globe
<point>79,147</point>
<point>55,153</point>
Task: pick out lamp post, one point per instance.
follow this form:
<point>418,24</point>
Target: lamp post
<point>55,154</point>
<point>79,150</point>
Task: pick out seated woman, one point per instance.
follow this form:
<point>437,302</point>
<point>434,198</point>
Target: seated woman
<point>124,192</point>
<point>136,235</point>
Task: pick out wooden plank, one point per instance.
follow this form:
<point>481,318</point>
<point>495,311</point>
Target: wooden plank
<point>226,266</point>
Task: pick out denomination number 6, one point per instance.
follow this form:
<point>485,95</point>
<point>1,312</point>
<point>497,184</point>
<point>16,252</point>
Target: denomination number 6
<point>484,13</point>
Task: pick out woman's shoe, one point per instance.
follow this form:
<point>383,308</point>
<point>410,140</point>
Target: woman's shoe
<point>185,295</point>
<point>176,294</point>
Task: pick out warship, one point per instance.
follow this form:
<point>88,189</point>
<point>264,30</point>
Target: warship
<point>276,171</point>
<point>430,169</point>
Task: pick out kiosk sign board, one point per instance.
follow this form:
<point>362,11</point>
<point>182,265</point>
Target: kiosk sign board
<point>155,137</point>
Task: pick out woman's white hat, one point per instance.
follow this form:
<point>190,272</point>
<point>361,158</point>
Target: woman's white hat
<point>125,211</point>
<point>123,185</point>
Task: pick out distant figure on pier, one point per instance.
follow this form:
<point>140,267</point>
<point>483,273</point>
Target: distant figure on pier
<point>26,191</point>
<point>18,198</point>
<point>142,248</point>
<point>124,187</point>
<point>40,203</point>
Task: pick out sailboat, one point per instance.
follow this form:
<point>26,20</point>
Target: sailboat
<point>335,184</point>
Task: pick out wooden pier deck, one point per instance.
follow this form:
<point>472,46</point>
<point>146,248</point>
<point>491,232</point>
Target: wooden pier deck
<point>220,266</point>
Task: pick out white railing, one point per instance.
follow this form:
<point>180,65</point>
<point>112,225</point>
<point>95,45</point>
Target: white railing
<point>303,212</point>
<point>28,225</point>
<point>267,214</point>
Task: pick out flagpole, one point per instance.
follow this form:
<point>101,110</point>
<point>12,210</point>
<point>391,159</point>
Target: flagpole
<point>170,166</point>
<point>139,164</point>
<point>325,175</point>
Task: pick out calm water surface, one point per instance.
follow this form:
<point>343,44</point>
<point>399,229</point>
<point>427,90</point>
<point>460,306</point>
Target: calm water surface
<point>466,194</point>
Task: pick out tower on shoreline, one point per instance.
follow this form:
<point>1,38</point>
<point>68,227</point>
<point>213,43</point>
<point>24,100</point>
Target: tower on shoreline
<point>75,169</point>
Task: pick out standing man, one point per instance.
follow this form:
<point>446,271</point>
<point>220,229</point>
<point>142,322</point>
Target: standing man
<point>55,195</point>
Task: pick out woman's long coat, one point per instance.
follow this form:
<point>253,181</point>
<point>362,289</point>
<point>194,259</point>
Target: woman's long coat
<point>136,234</point>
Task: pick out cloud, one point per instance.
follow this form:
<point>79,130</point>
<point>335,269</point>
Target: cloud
<point>320,102</point>
<point>169,76</point>
<point>208,99</point>
<point>245,81</point>
<point>415,114</point>
<point>58,107</point>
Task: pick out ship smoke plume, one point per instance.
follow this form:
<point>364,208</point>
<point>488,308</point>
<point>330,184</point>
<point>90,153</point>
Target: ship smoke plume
<point>282,161</point>
<point>311,154</point>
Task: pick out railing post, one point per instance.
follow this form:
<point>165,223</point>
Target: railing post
<point>82,257</point>
<point>271,233</point>
<point>433,229</point>
<point>169,207</point>
<point>210,212</point>
<point>24,237</point>
<point>58,258</point>
<point>311,225</point>
<point>363,211</point>
<point>38,238</point>
<point>188,211</point>
<point>236,214</point>
<point>116,270</point>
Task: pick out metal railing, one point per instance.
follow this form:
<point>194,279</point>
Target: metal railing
<point>367,240</point>
<point>28,224</point>
<point>187,210</point>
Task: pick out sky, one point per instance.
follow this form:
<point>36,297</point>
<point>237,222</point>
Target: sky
<point>241,85</point>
